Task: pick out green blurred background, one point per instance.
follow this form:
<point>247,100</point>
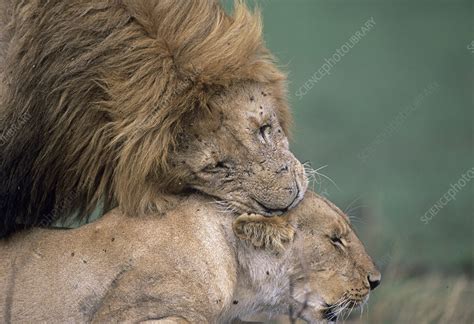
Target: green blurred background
<point>412,161</point>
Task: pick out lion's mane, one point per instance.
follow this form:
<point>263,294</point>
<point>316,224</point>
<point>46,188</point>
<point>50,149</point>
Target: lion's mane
<point>96,93</point>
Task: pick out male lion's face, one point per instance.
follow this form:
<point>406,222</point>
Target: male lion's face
<point>242,157</point>
<point>334,273</point>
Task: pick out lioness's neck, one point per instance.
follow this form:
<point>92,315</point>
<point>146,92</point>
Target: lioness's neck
<point>262,282</point>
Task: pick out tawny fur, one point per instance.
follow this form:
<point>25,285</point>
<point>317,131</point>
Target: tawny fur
<point>185,266</point>
<point>264,232</point>
<point>95,94</point>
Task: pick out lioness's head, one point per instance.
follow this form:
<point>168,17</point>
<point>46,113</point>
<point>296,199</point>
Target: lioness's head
<point>242,155</point>
<point>315,248</point>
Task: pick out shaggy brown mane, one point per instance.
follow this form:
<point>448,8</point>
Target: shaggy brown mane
<point>97,93</point>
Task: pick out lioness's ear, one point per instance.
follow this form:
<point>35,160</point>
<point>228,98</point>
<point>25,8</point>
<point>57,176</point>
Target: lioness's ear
<point>264,232</point>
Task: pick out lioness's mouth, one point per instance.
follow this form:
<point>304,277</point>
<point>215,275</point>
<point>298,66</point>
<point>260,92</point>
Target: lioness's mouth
<point>332,312</point>
<point>329,314</point>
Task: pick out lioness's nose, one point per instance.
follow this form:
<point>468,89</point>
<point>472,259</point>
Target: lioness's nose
<point>374,280</point>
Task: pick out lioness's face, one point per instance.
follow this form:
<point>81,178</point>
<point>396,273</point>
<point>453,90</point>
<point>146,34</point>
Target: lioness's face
<point>242,157</point>
<point>334,272</point>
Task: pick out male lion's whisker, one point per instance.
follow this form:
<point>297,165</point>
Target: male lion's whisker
<point>314,175</point>
<point>355,208</point>
<point>351,203</point>
<point>326,177</point>
<point>222,206</point>
<point>310,176</point>
<point>355,219</point>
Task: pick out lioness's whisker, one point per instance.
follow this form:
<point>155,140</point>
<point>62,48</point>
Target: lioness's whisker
<point>350,310</point>
<point>340,309</point>
<point>340,302</point>
<point>338,306</point>
<point>362,309</point>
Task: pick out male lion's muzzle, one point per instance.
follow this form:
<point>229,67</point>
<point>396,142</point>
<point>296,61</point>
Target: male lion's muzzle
<point>281,188</point>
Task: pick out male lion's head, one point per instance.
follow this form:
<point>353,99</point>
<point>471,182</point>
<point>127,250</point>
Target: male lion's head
<point>326,265</point>
<point>150,97</point>
<point>242,155</point>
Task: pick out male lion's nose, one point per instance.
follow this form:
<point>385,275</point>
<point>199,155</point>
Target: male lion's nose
<point>374,280</point>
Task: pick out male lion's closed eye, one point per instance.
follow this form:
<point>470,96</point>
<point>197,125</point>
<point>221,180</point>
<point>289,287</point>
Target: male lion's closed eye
<point>270,233</point>
<point>264,131</point>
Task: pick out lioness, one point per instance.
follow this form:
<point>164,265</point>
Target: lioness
<point>208,268</point>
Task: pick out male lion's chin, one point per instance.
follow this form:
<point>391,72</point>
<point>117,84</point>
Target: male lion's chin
<point>252,207</point>
<point>234,207</point>
<point>299,197</point>
<point>267,211</point>
<point>256,208</point>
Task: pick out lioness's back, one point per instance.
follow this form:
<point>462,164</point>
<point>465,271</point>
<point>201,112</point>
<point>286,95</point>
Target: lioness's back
<point>76,274</point>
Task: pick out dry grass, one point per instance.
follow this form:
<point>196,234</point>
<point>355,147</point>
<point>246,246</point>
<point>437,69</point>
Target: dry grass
<point>423,299</point>
<point>426,299</point>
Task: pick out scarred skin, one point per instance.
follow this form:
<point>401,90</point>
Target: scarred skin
<point>243,158</point>
<point>196,264</point>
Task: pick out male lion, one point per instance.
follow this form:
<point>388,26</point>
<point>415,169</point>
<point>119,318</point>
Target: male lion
<point>208,268</point>
<point>114,101</point>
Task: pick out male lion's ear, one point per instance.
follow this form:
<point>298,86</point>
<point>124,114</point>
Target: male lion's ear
<point>264,232</point>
